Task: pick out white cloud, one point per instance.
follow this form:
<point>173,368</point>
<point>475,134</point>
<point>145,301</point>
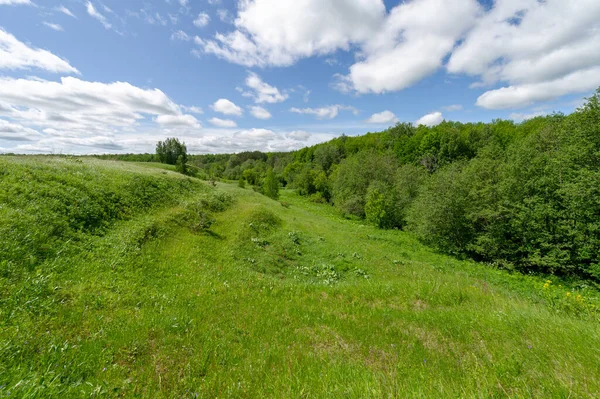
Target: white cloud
<point>55,27</point>
<point>15,2</point>
<point>411,44</point>
<point>535,47</point>
<point>328,112</point>
<point>260,112</point>
<point>214,2</point>
<point>516,116</point>
<point>298,135</point>
<point>222,122</point>
<point>65,11</point>
<point>432,119</point>
<point>383,117</point>
<point>263,92</point>
<point>192,109</point>
<point>16,132</point>
<point>17,55</point>
<point>202,20</point>
<point>91,10</point>
<point>453,107</point>
<point>526,94</point>
<point>510,42</point>
<point>226,107</point>
<point>280,32</point>
<point>84,108</point>
<point>224,15</point>
<point>183,3</point>
<point>395,50</point>
<point>177,121</point>
<point>180,35</point>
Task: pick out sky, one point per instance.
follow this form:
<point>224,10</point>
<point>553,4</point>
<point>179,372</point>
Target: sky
<point>116,76</point>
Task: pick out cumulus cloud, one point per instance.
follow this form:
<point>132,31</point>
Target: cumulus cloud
<point>260,112</point>
<point>522,95</point>
<point>86,108</point>
<point>222,122</point>
<point>17,55</point>
<point>536,47</point>
<point>511,43</point>
<point>278,33</point>
<point>263,92</point>
<point>298,135</point>
<point>328,112</point>
<point>383,117</point>
<point>202,20</point>
<point>226,107</point>
<point>432,119</point>
<point>395,50</point>
<point>91,10</point>
<point>411,44</point>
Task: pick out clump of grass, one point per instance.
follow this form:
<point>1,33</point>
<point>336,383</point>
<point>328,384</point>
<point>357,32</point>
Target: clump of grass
<point>199,213</point>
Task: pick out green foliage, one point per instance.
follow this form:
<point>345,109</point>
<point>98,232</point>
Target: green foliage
<point>271,185</point>
<point>356,174</point>
<point>523,195</point>
<point>241,182</point>
<point>198,215</point>
<point>438,216</point>
<point>379,205</point>
<point>50,204</point>
<point>150,308</point>
<point>170,151</point>
<point>180,165</point>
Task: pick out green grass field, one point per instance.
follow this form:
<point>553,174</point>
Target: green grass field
<point>131,298</point>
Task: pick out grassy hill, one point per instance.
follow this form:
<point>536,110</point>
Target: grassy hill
<point>123,280</point>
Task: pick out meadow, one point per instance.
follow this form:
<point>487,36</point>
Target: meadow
<point>131,280</point>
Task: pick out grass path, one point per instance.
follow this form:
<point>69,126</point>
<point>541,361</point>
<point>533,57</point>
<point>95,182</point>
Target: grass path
<point>308,306</point>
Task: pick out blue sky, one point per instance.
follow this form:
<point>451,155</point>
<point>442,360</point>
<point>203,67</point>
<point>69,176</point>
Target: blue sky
<point>80,76</point>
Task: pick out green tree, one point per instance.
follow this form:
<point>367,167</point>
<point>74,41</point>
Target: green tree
<point>271,185</point>
<point>170,150</point>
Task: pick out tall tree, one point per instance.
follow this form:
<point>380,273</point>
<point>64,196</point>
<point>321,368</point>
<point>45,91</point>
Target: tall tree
<point>271,185</point>
<point>170,150</point>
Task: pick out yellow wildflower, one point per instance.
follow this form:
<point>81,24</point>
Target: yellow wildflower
<point>568,294</point>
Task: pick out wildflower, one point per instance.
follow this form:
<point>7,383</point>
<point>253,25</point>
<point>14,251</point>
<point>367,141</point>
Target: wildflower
<point>568,294</point>
<point>579,297</point>
<point>546,286</point>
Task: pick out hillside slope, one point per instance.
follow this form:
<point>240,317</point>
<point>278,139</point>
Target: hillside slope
<point>267,301</point>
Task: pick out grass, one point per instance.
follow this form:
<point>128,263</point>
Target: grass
<point>274,301</point>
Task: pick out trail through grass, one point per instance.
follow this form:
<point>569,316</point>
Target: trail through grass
<point>277,301</point>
